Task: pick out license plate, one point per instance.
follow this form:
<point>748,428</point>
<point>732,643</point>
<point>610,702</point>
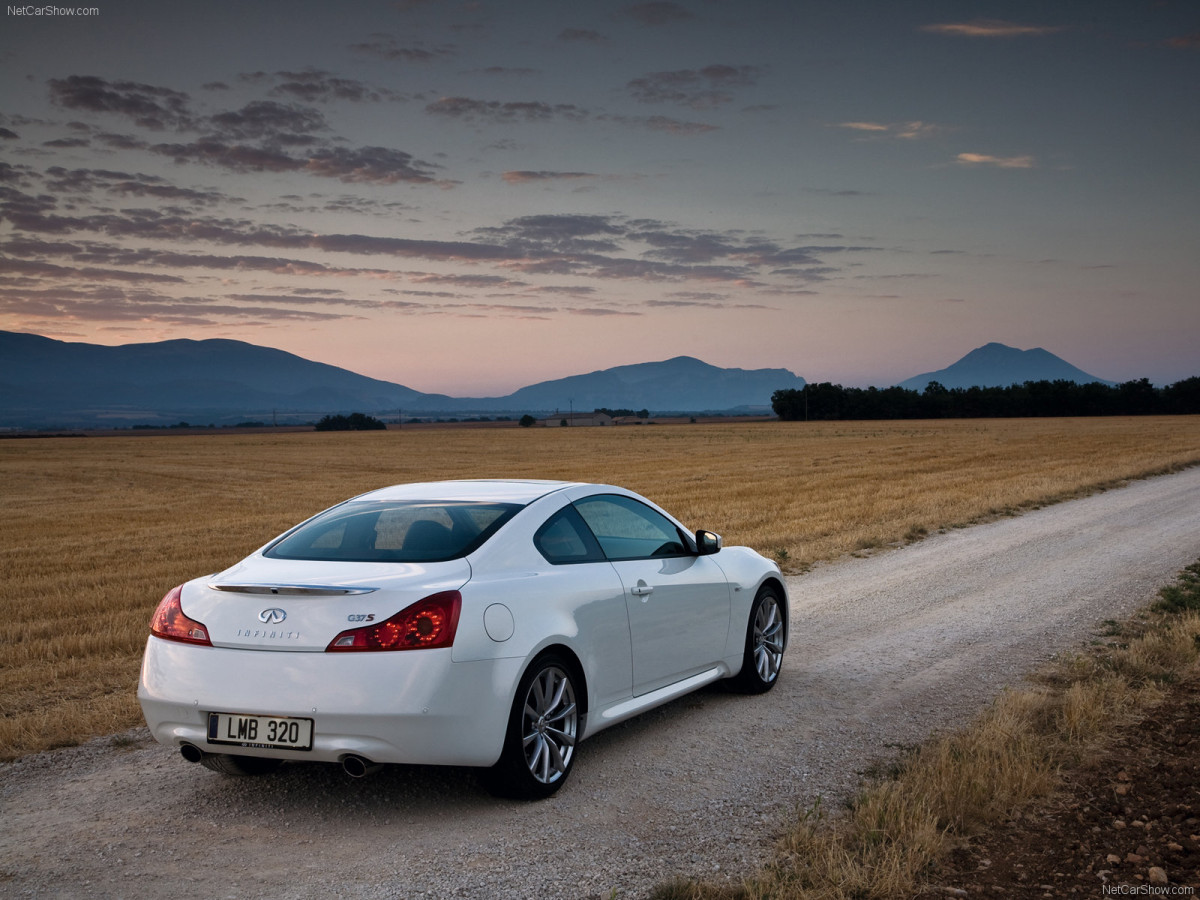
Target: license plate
<point>264,732</point>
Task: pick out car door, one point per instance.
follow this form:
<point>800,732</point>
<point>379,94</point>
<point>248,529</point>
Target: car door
<point>678,602</point>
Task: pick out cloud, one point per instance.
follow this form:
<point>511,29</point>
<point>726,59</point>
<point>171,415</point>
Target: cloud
<point>113,304</point>
<point>508,70</point>
<point>92,274</point>
<point>316,85</point>
<point>521,250</point>
<point>156,108</point>
<point>374,165</point>
<point>909,131</point>
<point>581,35</point>
<point>129,185</point>
<point>566,233</point>
<point>662,123</point>
<point>385,46</point>
<point>235,157</point>
<point>261,136</point>
<point>658,12</point>
<point>1000,162</point>
<point>496,111</point>
<point>286,123</point>
<point>1185,41</point>
<point>600,311</point>
<point>523,177</point>
<point>990,28</point>
<point>504,113</point>
<point>699,89</point>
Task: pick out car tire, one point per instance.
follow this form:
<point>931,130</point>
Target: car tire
<point>240,765</point>
<point>543,729</point>
<point>766,636</point>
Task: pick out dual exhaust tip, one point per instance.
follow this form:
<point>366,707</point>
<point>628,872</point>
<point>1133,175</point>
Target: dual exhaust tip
<point>353,765</point>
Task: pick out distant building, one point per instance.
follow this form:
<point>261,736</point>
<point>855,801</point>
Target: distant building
<point>576,420</point>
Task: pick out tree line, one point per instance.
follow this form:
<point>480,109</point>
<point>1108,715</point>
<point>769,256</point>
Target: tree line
<point>827,401</point>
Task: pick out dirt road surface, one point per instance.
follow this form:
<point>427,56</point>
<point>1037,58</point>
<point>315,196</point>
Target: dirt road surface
<point>884,652</point>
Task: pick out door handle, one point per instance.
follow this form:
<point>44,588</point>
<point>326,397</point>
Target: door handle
<point>641,590</point>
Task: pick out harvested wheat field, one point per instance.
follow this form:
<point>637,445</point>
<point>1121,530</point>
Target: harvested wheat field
<point>95,530</point>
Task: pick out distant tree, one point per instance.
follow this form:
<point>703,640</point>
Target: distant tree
<point>562,423</point>
<point>1183,397</point>
<point>353,422</point>
<point>527,421</point>
<point>1033,398</point>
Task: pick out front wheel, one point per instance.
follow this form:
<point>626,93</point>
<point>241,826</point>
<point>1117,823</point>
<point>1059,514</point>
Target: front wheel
<point>766,634</point>
<point>539,745</point>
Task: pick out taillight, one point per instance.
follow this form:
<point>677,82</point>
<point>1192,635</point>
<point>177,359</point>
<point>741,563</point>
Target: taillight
<point>170,623</point>
<point>428,623</point>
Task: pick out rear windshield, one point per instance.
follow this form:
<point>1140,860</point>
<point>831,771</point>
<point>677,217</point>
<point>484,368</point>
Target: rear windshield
<point>391,531</point>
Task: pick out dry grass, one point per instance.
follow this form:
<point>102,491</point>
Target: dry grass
<point>95,530</point>
<point>960,785</point>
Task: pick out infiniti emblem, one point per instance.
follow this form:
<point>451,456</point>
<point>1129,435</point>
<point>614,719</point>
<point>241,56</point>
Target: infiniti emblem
<point>272,616</point>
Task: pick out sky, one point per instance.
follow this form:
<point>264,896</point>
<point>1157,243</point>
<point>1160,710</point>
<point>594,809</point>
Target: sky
<point>468,197</point>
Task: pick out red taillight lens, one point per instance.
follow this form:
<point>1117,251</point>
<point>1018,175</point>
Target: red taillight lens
<point>428,623</point>
<point>170,623</point>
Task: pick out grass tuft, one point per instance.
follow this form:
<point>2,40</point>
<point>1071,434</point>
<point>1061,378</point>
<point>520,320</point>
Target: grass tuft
<point>1184,595</point>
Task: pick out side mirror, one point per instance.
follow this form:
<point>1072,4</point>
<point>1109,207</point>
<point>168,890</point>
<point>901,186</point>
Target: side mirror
<point>707,543</point>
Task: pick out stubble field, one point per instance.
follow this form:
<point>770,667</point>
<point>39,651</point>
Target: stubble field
<point>94,531</point>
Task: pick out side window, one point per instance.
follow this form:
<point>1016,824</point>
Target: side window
<point>627,529</point>
<point>564,539</point>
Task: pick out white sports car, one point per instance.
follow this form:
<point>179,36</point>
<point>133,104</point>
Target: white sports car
<point>475,623</point>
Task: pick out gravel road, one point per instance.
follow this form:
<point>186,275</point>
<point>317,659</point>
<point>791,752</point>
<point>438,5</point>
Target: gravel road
<point>884,652</point>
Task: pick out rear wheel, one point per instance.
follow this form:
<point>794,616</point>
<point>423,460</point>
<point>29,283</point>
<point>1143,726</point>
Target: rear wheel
<point>766,634</point>
<point>539,746</point>
<point>227,764</point>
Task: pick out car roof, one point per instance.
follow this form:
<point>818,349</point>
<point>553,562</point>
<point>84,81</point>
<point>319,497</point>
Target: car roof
<point>496,490</point>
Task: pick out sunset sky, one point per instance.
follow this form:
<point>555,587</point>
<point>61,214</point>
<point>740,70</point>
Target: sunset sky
<point>467,197</point>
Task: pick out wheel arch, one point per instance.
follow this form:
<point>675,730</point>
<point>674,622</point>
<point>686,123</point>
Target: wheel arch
<point>572,659</point>
<point>776,584</point>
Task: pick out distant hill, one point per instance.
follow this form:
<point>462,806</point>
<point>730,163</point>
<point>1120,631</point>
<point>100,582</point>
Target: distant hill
<point>682,384</point>
<point>46,382</point>
<point>997,365</point>
<point>49,383</point>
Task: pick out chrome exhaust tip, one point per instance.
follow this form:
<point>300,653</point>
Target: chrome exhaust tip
<point>191,753</point>
<point>359,767</point>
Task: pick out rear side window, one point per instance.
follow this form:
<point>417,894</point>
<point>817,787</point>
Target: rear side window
<point>564,539</point>
<point>383,531</point>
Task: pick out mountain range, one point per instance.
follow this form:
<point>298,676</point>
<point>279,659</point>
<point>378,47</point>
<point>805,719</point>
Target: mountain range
<point>51,383</point>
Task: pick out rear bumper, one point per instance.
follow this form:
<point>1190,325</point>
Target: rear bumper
<point>414,706</point>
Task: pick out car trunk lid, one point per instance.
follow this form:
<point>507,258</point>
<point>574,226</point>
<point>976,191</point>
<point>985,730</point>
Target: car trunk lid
<point>266,604</point>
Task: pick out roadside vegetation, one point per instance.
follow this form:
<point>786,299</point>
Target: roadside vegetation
<point>94,531</point>
<point>893,836</point>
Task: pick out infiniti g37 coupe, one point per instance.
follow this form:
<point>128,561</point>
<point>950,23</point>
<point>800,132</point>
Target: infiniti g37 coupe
<point>478,623</point>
